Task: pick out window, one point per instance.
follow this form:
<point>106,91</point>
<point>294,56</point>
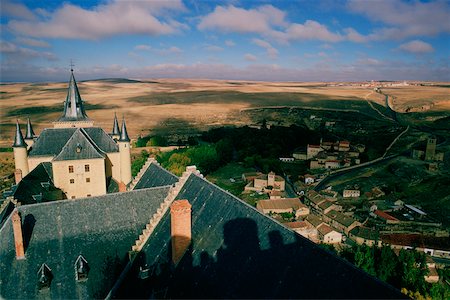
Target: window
<point>72,180</point>
<point>44,277</point>
<point>88,195</point>
<point>73,197</point>
<point>88,179</point>
<point>86,168</point>
<point>81,269</point>
<point>70,169</point>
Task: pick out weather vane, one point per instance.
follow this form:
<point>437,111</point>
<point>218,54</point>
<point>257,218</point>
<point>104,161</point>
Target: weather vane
<point>71,65</point>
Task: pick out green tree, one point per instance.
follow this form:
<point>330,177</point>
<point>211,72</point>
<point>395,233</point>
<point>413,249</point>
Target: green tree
<point>387,264</point>
<point>364,259</point>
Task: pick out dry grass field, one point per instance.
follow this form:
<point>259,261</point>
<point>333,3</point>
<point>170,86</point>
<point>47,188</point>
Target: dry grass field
<point>420,98</point>
<point>151,104</point>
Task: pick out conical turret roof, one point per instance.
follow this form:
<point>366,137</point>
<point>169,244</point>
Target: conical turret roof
<point>73,106</point>
<point>115,130</point>
<point>18,139</point>
<point>124,134</point>
<point>30,133</point>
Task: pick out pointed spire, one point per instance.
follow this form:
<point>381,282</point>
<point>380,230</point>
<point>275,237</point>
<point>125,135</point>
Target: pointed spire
<point>123,134</point>
<point>30,133</point>
<point>18,139</point>
<point>115,130</point>
<point>73,106</point>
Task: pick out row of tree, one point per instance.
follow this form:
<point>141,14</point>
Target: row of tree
<point>405,271</point>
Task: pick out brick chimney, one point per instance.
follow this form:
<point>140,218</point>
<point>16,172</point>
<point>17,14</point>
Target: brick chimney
<point>122,187</point>
<point>18,175</point>
<point>18,237</point>
<point>180,219</point>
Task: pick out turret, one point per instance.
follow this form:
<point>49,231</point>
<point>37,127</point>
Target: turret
<point>29,136</point>
<point>115,132</point>
<point>20,155</point>
<point>125,157</point>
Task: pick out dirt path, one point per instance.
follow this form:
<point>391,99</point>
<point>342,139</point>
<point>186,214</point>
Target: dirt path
<point>374,108</point>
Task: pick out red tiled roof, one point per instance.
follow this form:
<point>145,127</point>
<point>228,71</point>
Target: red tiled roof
<point>417,240</point>
<point>385,215</point>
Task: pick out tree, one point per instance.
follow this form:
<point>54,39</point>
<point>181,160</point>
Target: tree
<point>387,264</point>
<point>364,259</point>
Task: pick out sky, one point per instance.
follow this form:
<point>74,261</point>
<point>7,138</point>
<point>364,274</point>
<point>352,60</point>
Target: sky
<point>291,40</point>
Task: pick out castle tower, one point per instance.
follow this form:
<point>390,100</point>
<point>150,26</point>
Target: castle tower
<point>125,157</point>
<point>29,135</point>
<point>74,114</point>
<point>115,132</point>
<point>20,155</point>
<point>271,179</point>
<point>430,151</point>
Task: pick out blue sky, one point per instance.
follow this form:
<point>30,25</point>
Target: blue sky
<point>251,40</point>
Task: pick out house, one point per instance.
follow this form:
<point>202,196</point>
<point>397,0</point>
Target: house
<point>265,183</point>
<point>329,236</point>
<point>431,245</point>
<point>312,151</point>
<point>340,221</point>
<point>305,229</point>
<point>433,275</point>
<point>386,217</point>
<point>313,199</point>
<point>314,220</point>
<point>365,236</point>
<point>287,205</point>
<point>81,160</point>
<point>332,164</point>
<point>309,179</point>
<point>351,193</point>
<point>327,206</point>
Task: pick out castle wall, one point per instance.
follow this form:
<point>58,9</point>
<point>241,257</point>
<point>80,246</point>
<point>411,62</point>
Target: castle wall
<point>36,160</point>
<point>81,182</point>
<point>113,165</point>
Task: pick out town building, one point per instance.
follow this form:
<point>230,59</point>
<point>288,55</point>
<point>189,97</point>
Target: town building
<point>305,229</point>
<point>266,183</point>
<point>328,235</point>
<point>286,205</point>
<point>340,221</point>
<point>351,193</point>
<point>365,236</point>
<point>81,160</point>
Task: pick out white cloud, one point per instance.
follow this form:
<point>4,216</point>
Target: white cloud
<point>416,47</point>
<point>312,30</point>
<point>271,51</point>
<point>16,10</point>
<point>250,57</point>
<point>18,55</point>
<point>230,43</point>
<point>33,42</point>
<point>405,19</point>
<point>143,48</point>
<point>112,18</point>
<point>235,19</point>
<point>213,48</point>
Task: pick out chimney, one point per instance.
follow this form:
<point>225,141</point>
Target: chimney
<point>18,175</point>
<point>180,219</point>
<point>18,237</point>
<point>122,187</point>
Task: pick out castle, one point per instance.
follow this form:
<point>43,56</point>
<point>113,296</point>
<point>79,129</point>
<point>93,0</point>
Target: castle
<point>157,236</point>
<point>83,159</point>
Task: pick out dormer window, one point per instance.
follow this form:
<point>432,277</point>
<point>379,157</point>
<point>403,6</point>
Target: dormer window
<point>78,148</point>
<point>81,269</point>
<point>44,277</point>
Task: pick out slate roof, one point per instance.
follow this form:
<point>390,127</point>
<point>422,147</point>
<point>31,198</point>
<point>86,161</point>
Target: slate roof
<point>237,252</point>
<point>18,137</point>
<point>79,146</point>
<point>73,106</point>
<point>155,175</point>
<point>102,229</point>
<point>37,186</point>
<point>51,141</point>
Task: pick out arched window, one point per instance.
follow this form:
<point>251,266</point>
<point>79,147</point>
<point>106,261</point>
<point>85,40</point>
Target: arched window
<point>81,269</point>
<point>44,277</point>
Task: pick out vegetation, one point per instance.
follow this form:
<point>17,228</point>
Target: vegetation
<point>405,271</point>
<point>138,162</point>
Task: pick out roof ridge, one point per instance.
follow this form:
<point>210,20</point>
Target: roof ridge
<point>91,141</point>
<point>72,137</point>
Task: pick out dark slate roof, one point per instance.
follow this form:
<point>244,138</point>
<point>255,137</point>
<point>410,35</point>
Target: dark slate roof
<point>102,229</point>
<point>18,138</point>
<point>37,186</point>
<point>73,106</point>
<point>155,175</point>
<point>237,252</point>
<point>79,146</point>
<point>51,140</point>
<point>115,130</point>
<point>123,133</point>
<point>30,133</point>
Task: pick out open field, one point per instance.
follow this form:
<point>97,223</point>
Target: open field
<point>150,105</point>
<point>420,98</point>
